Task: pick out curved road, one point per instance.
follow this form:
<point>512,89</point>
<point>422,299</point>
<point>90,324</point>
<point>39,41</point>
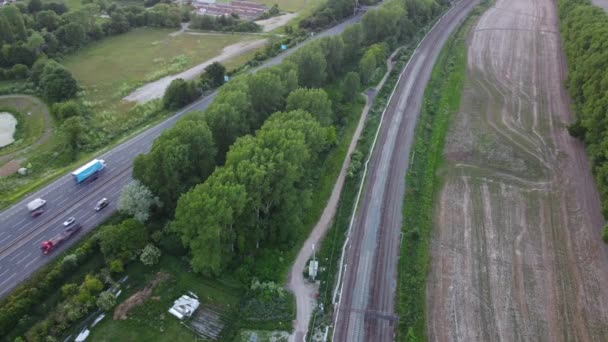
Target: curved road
<point>366,305</point>
<point>20,235</point>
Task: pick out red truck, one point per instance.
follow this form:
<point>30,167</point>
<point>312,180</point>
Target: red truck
<point>48,245</point>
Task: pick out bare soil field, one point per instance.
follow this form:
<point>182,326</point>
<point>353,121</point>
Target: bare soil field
<point>516,252</point>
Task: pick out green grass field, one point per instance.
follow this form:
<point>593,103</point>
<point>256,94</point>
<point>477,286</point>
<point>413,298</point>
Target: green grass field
<point>110,69</point>
<point>151,321</point>
<point>30,114</point>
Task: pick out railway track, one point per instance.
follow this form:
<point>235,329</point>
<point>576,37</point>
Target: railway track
<point>372,251</point>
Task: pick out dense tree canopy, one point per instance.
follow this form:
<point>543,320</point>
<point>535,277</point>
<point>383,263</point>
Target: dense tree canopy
<point>180,93</point>
<point>313,101</point>
<point>257,197</point>
<point>181,157</point>
<point>584,29</point>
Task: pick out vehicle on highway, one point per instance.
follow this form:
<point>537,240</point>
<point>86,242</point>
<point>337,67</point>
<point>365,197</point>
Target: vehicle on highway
<point>36,204</point>
<point>102,204</point>
<point>48,245</point>
<point>69,221</point>
<point>89,170</point>
<point>37,212</point>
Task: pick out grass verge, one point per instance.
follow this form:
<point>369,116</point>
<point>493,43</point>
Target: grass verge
<point>441,99</point>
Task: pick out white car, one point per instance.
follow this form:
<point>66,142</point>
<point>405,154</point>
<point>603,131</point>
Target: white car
<point>69,221</point>
<point>101,204</point>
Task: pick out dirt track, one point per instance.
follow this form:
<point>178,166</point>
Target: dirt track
<point>517,254</point>
<point>156,90</point>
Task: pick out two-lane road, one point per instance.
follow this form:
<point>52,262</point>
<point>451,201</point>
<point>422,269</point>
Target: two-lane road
<point>20,235</point>
<point>365,311</point>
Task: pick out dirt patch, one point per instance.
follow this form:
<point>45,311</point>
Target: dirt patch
<point>275,22</point>
<point>139,297</point>
<point>156,90</point>
<point>516,252</point>
<point>9,168</point>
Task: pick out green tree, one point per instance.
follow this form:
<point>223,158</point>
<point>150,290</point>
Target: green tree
<point>180,158</point>
<point>68,109</point>
<point>74,129</point>
<point>206,217</point>
<point>214,74</point>
<point>35,42</point>
<point>137,200</point>
<point>381,23</point>
<point>267,93</point>
<point>179,93</point>
<point>92,284</point>
<point>6,33</point>
<point>37,70</point>
<point>311,67</point>
<point>72,34</point>
<point>226,123</point>
<point>106,301</point>
<point>333,47</point>
<point>19,71</point>
<point>15,20</point>
<point>353,40</point>
<point>605,234</point>
<point>56,83</point>
<point>367,67</point>
<point>34,6</point>
<point>350,86</point>
<point>314,101</point>
<point>150,255</point>
<point>124,240</point>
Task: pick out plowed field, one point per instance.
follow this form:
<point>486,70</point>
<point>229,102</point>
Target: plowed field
<point>516,251</point>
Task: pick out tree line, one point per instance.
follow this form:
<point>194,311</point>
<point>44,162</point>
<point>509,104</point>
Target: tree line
<point>584,30</point>
<point>37,31</point>
<point>237,178</point>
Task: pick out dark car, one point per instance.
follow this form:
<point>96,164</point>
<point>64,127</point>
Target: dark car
<point>37,212</point>
<point>102,204</point>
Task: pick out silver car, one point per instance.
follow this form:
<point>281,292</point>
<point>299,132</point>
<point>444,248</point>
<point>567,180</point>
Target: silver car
<point>69,221</point>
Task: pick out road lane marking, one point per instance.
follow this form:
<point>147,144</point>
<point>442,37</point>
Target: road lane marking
<point>1,274</point>
<point>7,279</point>
<point>25,257</point>
<point>29,263</point>
<point>8,237</point>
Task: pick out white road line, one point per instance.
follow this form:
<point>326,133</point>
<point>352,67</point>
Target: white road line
<point>8,237</point>
<point>23,259</point>
<point>29,263</point>
<point>7,279</point>
<point>1,274</point>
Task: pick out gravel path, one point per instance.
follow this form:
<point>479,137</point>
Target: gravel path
<point>274,22</point>
<point>156,90</point>
<point>516,253</point>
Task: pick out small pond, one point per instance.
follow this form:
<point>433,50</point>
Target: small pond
<point>8,125</point>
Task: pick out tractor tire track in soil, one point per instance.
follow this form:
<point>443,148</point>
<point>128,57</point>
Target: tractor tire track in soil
<point>516,253</point>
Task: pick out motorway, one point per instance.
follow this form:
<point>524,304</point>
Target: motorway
<point>20,235</point>
<point>366,301</point>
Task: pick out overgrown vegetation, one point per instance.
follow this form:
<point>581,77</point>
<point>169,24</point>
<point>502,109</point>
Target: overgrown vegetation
<point>441,100</point>
<point>223,23</point>
<point>584,29</point>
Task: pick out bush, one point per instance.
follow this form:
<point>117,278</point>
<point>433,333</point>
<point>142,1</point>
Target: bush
<point>605,234</point>
<point>150,255</point>
<point>106,301</point>
<point>180,93</point>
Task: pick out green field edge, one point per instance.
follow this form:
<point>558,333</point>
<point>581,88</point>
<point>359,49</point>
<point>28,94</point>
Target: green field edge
<point>441,99</point>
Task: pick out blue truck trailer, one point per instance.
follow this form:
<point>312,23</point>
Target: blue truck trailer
<point>88,170</point>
